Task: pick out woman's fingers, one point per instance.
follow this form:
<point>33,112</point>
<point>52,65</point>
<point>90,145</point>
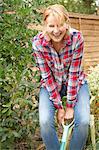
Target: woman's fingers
<point>60,115</point>
<point>69,113</point>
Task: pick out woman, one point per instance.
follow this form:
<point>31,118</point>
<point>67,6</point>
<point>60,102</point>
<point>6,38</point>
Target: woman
<point>58,52</point>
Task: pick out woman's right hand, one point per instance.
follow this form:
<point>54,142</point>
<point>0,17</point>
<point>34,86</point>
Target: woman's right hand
<point>60,115</point>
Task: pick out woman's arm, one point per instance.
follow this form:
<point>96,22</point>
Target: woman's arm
<point>74,71</point>
<point>47,76</point>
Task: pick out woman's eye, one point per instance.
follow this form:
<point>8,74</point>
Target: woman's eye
<point>51,26</point>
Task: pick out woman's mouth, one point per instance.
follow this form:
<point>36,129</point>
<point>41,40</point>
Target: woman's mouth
<point>57,35</point>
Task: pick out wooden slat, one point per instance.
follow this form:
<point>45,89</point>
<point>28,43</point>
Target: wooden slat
<point>84,21</point>
<point>91,39</point>
<point>90,27</point>
<point>75,25</point>
<point>89,21</point>
<point>91,60</point>
<point>74,20</point>
<point>90,33</point>
<point>86,27</point>
<point>91,50</point>
<point>77,15</point>
<point>91,44</point>
<point>94,47</point>
<point>91,55</point>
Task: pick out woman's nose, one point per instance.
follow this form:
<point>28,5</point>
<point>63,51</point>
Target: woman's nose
<point>56,30</point>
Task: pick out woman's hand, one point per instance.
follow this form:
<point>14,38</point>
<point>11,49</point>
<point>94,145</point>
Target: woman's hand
<point>69,113</point>
<point>60,115</point>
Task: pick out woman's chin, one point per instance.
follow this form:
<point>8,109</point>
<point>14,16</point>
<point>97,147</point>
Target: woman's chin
<point>56,39</point>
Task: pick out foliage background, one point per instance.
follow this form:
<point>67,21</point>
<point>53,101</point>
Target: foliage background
<point>19,79</point>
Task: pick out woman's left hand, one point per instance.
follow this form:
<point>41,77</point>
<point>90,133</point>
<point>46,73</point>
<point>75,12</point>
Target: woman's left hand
<point>69,114</point>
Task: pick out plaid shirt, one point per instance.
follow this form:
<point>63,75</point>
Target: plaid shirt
<point>60,68</point>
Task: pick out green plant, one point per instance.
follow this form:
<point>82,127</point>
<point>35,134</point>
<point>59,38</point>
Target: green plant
<point>18,91</point>
<point>93,81</point>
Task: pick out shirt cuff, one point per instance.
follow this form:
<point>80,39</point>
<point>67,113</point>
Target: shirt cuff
<point>55,97</point>
<point>58,105</point>
<point>71,104</point>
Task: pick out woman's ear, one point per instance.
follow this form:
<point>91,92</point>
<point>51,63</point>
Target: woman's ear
<point>66,26</point>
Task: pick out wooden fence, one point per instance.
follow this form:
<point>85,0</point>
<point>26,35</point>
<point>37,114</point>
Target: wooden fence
<point>89,26</point>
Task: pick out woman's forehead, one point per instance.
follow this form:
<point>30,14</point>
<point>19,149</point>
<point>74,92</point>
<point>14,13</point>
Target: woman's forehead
<point>55,18</point>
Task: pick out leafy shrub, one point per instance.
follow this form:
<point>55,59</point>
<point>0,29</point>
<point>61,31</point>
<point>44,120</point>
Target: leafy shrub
<point>19,108</point>
<point>93,80</point>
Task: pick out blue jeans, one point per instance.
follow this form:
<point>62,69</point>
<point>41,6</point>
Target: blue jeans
<point>81,116</point>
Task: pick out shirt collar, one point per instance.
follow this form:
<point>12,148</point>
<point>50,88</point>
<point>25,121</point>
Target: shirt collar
<point>68,38</point>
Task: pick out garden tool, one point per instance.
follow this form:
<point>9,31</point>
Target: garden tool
<point>67,129</point>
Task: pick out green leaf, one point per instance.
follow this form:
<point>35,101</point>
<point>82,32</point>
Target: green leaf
<point>3,129</point>
<point>5,110</point>
<point>16,134</point>
<point>28,102</point>
<point>4,138</point>
<point>7,105</point>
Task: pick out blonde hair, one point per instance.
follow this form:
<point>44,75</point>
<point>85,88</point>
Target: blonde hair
<point>58,11</point>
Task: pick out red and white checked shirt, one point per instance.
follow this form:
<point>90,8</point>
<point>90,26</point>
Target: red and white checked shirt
<point>60,68</point>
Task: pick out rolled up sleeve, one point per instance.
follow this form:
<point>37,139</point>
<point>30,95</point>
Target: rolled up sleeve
<point>74,70</point>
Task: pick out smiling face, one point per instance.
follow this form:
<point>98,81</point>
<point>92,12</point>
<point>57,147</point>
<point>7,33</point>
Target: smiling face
<point>56,29</point>
<point>56,22</point>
